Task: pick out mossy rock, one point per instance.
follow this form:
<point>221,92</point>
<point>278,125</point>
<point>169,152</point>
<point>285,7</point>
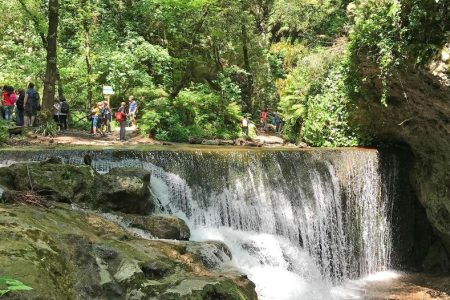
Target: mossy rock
<point>126,191</point>
<point>161,226</point>
<point>142,174</point>
<point>125,194</point>
<point>67,254</point>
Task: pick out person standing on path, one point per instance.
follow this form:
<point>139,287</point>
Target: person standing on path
<point>244,125</point>
<point>107,116</point>
<point>263,118</point>
<point>57,112</point>
<point>95,112</point>
<point>63,113</point>
<point>121,117</point>
<point>20,107</point>
<point>277,122</point>
<point>132,110</point>
<point>31,103</point>
<point>9,99</point>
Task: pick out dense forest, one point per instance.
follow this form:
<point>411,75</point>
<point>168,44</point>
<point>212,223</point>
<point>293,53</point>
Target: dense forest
<point>197,66</point>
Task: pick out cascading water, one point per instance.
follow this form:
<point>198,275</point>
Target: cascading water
<point>298,223</point>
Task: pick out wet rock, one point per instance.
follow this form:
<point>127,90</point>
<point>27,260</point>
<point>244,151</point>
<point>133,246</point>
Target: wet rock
<point>436,260</point>
<point>128,271</point>
<point>57,182</point>
<point>302,145</point>
<point>127,194</point>
<point>163,227</point>
<point>124,190</point>
<point>211,142</point>
<point>142,174</point>
<point>196,140</point>
<point>211,254</point>
<point>156,269</point>
<point>226,142</point>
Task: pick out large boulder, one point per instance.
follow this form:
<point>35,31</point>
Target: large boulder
<point>161,226</point>
<point>127,194</point>
<point>121,190</point>
<point>56,181</point>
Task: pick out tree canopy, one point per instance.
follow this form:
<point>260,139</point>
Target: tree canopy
<point>196,66</point>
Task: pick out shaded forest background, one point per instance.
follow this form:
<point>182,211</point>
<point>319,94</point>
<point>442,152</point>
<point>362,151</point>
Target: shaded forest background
<point>197,66</point>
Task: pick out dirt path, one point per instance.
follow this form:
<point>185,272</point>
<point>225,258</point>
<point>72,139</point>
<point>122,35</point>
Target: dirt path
<point>77,138</point>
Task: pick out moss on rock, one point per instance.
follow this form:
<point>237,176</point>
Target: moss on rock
<point>67,254</point>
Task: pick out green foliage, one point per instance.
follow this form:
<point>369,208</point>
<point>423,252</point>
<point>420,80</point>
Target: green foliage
<point>196,64</point>
<point>310,20</point>
<point>394,33</point>
<point>316,102</point>
<point>49,128</point>
<point>195,112</point>
<point>12,285</point>
<point>78,120</point>
<point>4,126</point>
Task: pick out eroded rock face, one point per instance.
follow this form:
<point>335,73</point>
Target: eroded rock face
<point>121,190</point>
<point>66,254</point>
<point>417,115</point>
<point>124,193</point>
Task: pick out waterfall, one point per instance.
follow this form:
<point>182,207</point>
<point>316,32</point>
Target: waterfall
<point>297,222</point>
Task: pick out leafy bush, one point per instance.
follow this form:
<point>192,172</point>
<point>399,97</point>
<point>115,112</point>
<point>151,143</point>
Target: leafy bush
<point>49,128</point>
<point>78,120</point>
<point>4,134</point>
<point>316,99</point>
<point>197,111</point>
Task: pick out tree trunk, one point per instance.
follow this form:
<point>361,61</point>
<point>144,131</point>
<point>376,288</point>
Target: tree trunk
<point>246,95</point>
<point>41,34</point>
<point>60,85</point>
<point>50,74</point>
<point>87,57</point>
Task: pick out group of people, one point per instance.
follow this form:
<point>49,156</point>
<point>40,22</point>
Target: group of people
<point>23,104</point>
<point>101,117</point>
<point>276,122</point>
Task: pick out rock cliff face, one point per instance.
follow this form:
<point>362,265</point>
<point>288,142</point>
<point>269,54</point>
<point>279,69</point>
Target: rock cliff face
<point>417,116</point>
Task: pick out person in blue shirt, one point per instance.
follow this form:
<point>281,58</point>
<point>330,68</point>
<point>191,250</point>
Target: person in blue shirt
<point>277,122</point>
<point>132,110</point>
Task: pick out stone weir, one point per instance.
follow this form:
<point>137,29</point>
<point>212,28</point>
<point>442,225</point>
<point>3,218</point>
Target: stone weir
<point>350,210</point>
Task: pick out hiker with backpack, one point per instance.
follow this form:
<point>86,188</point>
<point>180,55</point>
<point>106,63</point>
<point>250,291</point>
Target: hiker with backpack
<point>20,107</point>
<point>31,105</point>
<point>63,113</point>
<point>61,110</point>
<point>121,118</point>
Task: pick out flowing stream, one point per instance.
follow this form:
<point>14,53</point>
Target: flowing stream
<point>300,224</point>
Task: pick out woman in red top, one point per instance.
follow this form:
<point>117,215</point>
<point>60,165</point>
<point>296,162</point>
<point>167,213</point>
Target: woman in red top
<point>9,99</point>
<point>263,118</point>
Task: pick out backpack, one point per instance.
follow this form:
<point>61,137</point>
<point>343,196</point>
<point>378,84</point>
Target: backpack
<point>20,102</point>
<point>119,116</point>
<point>35,100</point>
<point>64,107</point>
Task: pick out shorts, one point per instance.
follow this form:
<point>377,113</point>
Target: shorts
<point>30,110</point>
<point>95,121</point>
